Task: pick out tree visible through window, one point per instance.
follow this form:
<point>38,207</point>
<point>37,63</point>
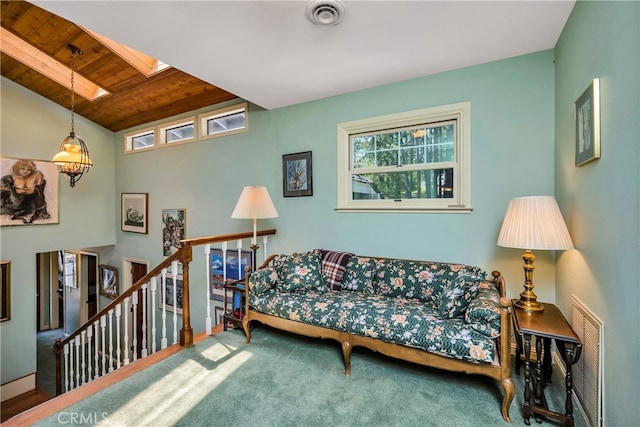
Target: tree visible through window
<point>408,161</point>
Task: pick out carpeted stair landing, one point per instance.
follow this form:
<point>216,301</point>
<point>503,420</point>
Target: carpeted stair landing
<point>287,380</point>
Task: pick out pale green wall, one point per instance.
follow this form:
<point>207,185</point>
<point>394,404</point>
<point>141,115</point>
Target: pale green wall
<point>33,127</point>
<point>512,149</point>
<point>512,155</point>
<point>601,199</point>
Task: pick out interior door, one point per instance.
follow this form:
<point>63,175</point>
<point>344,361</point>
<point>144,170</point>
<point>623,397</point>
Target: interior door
<point>137,272</point>
<point>92,286</point>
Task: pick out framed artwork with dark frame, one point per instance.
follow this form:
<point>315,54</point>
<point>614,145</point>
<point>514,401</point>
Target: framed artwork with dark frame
<point>29,192</point>
<point>586,111</point>
<point>168,294</point>
<point>297,177</point>
<point>174,225</point>
<point>108,281</point>
<point>5,291</point>
<point>135,212</point>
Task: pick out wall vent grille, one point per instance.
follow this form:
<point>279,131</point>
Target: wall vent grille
<point>588,373</point>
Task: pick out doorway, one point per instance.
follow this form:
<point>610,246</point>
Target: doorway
<point>134,270</point>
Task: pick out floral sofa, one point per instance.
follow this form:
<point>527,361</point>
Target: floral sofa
<point>435,314</point>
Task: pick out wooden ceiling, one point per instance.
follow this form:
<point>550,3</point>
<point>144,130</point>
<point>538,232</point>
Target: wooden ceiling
<point>134,98</point>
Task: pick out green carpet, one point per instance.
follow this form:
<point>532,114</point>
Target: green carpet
<point>287,380</point>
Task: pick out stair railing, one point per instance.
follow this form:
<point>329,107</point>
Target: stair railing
<point>88,353</point>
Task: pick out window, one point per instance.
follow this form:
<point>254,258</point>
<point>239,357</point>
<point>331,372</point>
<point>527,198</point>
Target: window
<point>224,121</point>
<point>140,141</point>
<point>412,161</point>
<point>180,131</point>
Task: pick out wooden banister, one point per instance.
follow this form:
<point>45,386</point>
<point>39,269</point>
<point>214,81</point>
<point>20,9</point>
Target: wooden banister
<point>184,255</point>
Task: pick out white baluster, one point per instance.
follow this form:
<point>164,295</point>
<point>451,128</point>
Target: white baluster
<point>163,341</point>
<point>126,332</point>
<point>207,320</point>
<point>118,350</point>
<point>96,325</point>
<point>83,365</point>
<point>71,369</point>
<point>89,336</point>
<point>239,260</point>
<point>77,356</point>
<point>174,274</point>
<point>224,262</point>
<point>143,352</point>
<point>103,326</point>
<point>110,314</point>
<point>66,367</point>
<point>265,241</point>
<point>134,324</point>
<point>154,290</point>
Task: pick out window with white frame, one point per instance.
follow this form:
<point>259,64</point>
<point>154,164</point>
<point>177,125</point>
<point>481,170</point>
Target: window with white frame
<point>224,121</point>
<point>177,132</point>
<point>411,161</point>
<point>140,140</point>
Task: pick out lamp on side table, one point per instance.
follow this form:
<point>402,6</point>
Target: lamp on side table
<point>533,223</point>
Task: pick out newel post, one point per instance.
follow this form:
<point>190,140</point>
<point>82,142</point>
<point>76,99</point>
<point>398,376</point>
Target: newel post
<point>186,333</point>
<point>57,351</point>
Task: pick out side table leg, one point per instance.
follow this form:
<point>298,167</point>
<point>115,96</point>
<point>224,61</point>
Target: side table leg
<point>518,353</point>
<point>571,354</point>
<point>527,379</point>
<point>538,391</point>
<point>547,368</point>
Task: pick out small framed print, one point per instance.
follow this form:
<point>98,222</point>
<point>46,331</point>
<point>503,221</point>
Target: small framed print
<point>108,281</point>
<point>297,177</point>
<point>227,266</point>
<point>174,224</point>
<point>587,124</point>
<point>166,295</point>
<point>135,212</point>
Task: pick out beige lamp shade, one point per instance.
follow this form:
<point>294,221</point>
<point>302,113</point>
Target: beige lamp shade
<point>254,202</point>
<point>534,223</point>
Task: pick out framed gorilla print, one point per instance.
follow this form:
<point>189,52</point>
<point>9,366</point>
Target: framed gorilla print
<point>29,192</point>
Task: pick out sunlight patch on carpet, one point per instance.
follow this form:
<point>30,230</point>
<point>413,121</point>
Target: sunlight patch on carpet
<point>169,398</point>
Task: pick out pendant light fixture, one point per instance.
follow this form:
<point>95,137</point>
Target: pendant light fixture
<point>73,157</point>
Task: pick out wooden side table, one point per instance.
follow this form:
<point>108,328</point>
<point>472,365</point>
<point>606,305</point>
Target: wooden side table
<point>235,313</point>
<point>544,326</point>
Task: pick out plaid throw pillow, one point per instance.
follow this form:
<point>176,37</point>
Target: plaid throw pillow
<point>333,267</point>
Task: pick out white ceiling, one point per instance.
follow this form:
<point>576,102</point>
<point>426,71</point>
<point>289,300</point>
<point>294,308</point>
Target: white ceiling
<point>268,53</point>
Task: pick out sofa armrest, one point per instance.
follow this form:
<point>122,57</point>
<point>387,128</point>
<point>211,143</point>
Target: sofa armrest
<point>262,280</point>
<point>483,313</point>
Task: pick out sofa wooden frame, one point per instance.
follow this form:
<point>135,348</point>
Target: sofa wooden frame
<point>500,371</point>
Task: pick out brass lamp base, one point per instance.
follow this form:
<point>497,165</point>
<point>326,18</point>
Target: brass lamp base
<point>529,306</point>
<point>528,300</point>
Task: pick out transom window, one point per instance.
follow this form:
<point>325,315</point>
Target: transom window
<point>224,121</point>
<point>140,141</point>
<point>417,160</point>
<point>178,132</point>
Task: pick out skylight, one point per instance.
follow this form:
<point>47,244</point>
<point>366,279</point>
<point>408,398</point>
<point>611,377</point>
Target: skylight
<point>143,63</point>
<point>34,58</point>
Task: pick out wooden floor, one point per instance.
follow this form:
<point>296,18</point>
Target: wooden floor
<point>21,403</point>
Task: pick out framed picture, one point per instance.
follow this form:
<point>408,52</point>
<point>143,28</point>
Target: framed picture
<point>219,312</point>
<point>29,192</point>
<point>174,223</point>
<point>234,270</point>
<point>297,179</point>
<point>5,291</point>
<point>70,269</point>
<point>167,296</point>
<point>135,212</point>
<point>108,281</point>
<point>586,112</point>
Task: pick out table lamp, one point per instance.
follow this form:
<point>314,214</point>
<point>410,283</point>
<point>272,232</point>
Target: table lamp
<point>533,223</point>
<point>254,203</point>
